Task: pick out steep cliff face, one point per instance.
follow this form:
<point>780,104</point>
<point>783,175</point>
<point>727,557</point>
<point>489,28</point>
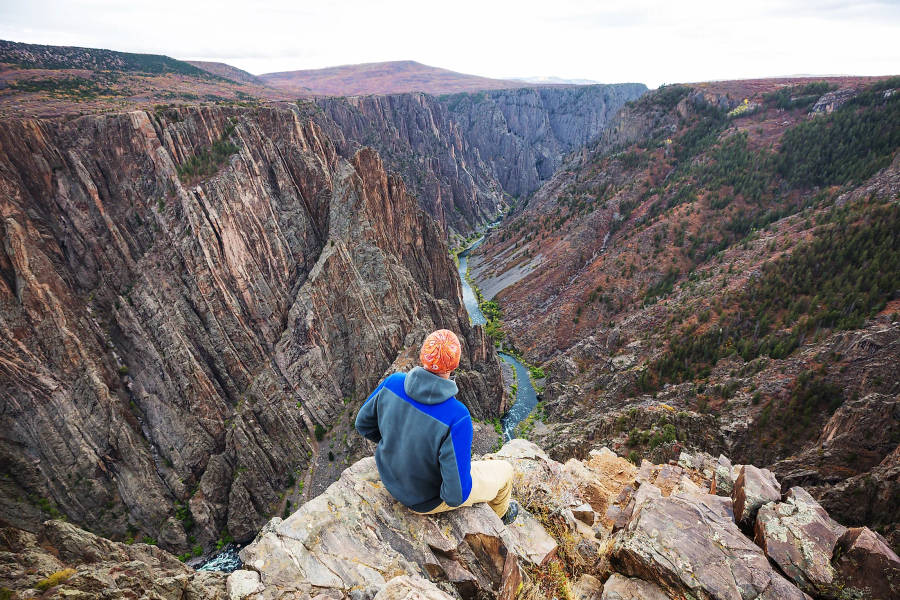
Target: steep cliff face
<point>188,300</point>
<point>463,154</point>
<point>524,134</point>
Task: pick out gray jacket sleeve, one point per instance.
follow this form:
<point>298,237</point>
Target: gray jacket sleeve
<point>367,419</point>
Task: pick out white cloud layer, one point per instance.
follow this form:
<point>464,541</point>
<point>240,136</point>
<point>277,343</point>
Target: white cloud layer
<point>651,41</point>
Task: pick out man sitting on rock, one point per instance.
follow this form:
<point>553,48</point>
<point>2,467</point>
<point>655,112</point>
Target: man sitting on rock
<point>424,436</point>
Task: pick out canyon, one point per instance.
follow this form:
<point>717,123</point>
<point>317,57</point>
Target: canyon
<point>674,279</point>
<point>174,345</point>
<point>202,277</point>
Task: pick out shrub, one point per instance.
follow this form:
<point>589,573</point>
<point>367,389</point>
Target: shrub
<point>54,579</point>
<point>320,432</point>
<point>206,161</point>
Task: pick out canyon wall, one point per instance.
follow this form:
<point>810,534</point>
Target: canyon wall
<point>463,155</point>
<point>189,300</point>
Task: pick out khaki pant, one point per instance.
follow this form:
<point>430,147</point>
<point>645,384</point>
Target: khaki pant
<point>491,483</point>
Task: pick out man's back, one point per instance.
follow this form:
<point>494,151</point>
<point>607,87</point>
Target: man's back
<point>424,437</point>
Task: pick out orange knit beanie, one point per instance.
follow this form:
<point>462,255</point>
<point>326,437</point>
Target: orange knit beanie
<point>440,352</point>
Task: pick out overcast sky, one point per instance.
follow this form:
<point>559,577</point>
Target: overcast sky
<point>650,41</point>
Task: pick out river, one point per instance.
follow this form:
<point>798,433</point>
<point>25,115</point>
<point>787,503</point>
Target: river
<point>526,397</point>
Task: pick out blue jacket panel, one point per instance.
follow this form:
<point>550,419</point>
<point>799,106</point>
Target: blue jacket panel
<point>424,436</point>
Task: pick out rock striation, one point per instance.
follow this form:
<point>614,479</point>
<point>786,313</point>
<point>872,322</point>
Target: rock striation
<point>189,300</point>
<point>463,154</point>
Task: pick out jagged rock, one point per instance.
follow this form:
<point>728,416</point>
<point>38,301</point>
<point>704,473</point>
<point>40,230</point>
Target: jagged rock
<point>753,488</point>
<point>209,323</point>
<point>869,497</point>
<point>831,101</point>
<point>857,437</point>
<point>726,474</point>
<point>618,587</point>
<point>587,587</point>
<point>405,587</point>
<point>356,535</point>
<point>668,542</point>
<point>866,566</point>
<point>100,568</point>
<point>800,537</point>
<point>242,583</point>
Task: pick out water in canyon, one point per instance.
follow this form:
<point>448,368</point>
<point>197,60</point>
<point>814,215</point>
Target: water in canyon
<point>526,397</point>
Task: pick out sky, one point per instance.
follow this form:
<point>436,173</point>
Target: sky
<point>648,41</point>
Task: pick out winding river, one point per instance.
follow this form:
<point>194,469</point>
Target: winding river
<point>526,397</point>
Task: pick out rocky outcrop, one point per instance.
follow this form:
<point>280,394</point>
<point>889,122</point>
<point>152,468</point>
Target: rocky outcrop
<point>866,567</point>
<point>462,155</point>
<point>356,536</point>
<point>354,540</point>
<point>832,101</point>
<point>67,562</point>
<point>800,537</point>
<point>668,540</point>
<point>869,497</point>
<point>619,587</point>
<point>753,488</point>
<point>189,300</point>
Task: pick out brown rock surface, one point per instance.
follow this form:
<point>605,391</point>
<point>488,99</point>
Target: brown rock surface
<point>405,587</point>
<point>753,488</point>
<point>356,535</point>
<point>668,541</point>
<point>98,568</point>
<point>866,566</point>
<point>800,537</point>
<point>618,587</point>
<point>179,339</point>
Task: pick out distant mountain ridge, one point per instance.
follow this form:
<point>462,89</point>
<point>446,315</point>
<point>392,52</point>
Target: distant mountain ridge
<point>227,71</point>
<point>40,56</point>
<point>393,77</point>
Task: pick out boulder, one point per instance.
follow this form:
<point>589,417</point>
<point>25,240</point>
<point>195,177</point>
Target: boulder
<point>689,545</point>
<point>587,587</point>
<point>242,583</point>
<point>866,566</point>
<point>406,587</point>
<point>753,488</point>
<point>800,537</point>
<point>619,587</point>
<point>725,475</point>
<point>356,536</point>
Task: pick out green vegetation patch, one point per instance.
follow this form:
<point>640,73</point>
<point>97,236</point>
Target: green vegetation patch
<point>846,274</point>
<point>849,145</point>
<point>54,580</point>
<point>797,96</point>
<point>207,161</point>
<point>72,88</point>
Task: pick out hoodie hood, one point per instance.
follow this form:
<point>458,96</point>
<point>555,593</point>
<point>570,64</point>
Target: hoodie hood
<point>426,387</point>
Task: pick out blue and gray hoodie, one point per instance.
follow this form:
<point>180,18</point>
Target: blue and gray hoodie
<point>424,437</point>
